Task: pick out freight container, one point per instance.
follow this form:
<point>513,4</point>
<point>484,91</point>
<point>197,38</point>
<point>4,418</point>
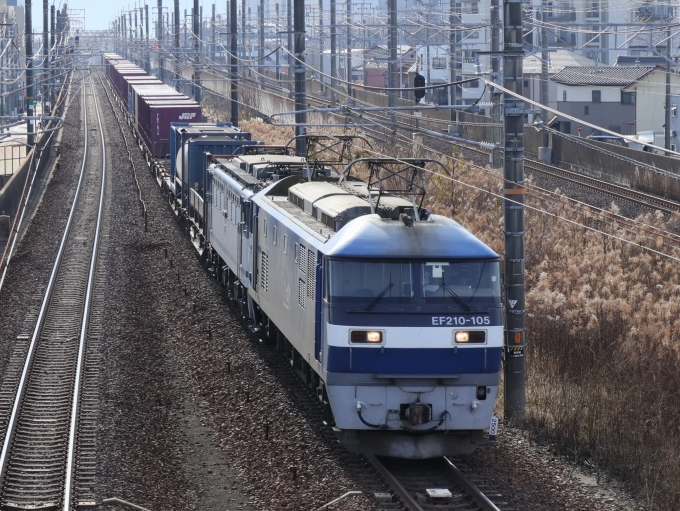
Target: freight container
<point>155,120</point>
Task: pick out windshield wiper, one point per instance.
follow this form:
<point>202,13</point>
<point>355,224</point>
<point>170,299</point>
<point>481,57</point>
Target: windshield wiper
<point>479,281</point>
<point>456,298</point>
<point>379,297</point>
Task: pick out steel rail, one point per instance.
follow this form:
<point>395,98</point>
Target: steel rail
<point>470,488</point>
<point>406,498</point>
<point>4,455</point>
<point>70,461</point>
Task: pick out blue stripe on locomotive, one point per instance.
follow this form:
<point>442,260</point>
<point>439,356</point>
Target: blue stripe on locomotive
<point>353,359</point>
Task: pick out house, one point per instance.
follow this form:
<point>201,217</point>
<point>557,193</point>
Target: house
<point>620,98</point>
<point>557,61</point>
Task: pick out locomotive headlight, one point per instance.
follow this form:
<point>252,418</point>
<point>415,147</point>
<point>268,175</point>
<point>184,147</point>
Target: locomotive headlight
<point>374,336</point>
<point>462,336</point>
<point>366,336</point>
<point>470,337</point>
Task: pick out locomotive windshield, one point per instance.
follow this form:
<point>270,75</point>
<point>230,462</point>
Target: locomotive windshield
<point>453,285</point>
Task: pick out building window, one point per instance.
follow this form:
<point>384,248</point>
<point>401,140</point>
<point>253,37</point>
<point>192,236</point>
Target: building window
<point>627,98</point>
<point>593,10</point>
<point>526,84</point>
<point>586,110</point>
<point>473,85</point>
<point>564,95</point>
<point>674,110</point>
<point>438,62</point>
<point>597,96</point>
<point>471,8</point>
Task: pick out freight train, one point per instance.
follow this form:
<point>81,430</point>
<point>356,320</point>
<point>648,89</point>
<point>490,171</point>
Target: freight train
<point>392,314</point>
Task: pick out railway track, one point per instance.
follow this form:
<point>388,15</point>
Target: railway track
<point>612,190</point>
<point>40,407</point>
<point>434,484</point>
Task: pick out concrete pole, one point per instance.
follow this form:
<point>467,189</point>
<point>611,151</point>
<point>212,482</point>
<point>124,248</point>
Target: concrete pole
<point>513,123</point>
<point>454,58</point>
<point>234,62</point>
<point>300,80</point>
<point>243,30</point>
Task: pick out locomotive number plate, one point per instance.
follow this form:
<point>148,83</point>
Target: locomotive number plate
<point>460,321</point>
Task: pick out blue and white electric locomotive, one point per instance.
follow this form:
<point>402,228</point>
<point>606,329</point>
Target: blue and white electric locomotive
<point>393,314</point>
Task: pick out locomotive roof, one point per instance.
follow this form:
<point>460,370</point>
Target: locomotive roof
<point>440,237</point>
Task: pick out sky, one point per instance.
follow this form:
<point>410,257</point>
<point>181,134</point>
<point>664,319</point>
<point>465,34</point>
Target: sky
<point>99,13</point>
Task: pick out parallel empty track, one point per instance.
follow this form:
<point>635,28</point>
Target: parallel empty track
<point>38,459</point>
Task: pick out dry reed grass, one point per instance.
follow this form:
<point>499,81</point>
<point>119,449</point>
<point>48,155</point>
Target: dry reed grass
<point>603,380</point>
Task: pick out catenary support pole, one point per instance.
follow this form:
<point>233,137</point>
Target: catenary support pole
<point>513,143</point>
<point>322,89</point>
<point>29,73</point>
<point>147,54</point>
<point>176,29</point>
<point>289,21</point>
<point>667,116</point>
<point>348,66</point>
<point>544,72</point>
<point>454,57</point>
<point>260,50</point>
<point>278,43</point>
<point>46,63</point>
<point>53,50</point>
<point>334,50</point>
<point>197,55</point>
<point>300,80</point>
<point>243,30</point>
<point>160,36</point>
<point>213,34</point>
<point>392,65</point>
<point>496,95</point>
<point>234,62</point>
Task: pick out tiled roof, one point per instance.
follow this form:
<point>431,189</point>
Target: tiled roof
<point>602,75</point>
<point>557,61</point>
<point>374,64</point>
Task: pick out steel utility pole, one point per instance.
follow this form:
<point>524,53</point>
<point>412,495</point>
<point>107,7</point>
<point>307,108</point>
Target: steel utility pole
<point>322,90</point>
<point>348,67</point>
<point>29,73</point>
<point>197,56</point>
<point>234,62</point>
<point>176,29</point>
<point>243,29</point>
<point>278,43</point>
<point>545,153</point>
<point>300,80</point>
<point>147,59</point>
<point>334,49</point>
<point>136,43</point>
<point>496,95</point>
<point>260,51</point>
<point>454,58</point>
<point>46,62</point>
<point>213,39</point>
<point>513,123</point>
<point>53,50</point>
<point>289,20</point>
<point>160,33</point>
<point>392,65</point>
<point>667,117</point>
